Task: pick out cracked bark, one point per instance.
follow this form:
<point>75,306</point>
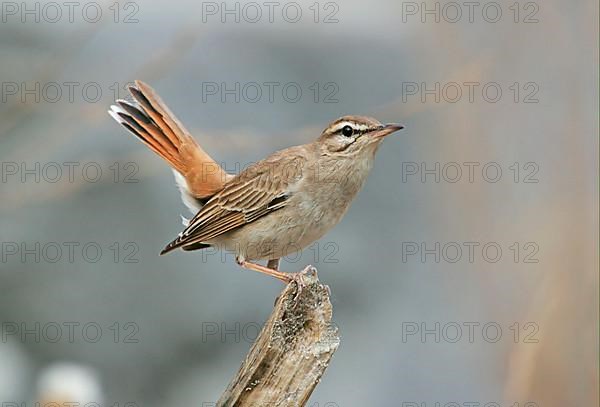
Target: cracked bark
<point>292,351</point>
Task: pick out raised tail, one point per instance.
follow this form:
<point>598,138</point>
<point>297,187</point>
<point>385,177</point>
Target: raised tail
<point>149,118</point>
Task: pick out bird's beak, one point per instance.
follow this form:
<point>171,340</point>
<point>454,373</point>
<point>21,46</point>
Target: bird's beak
<point>386,130</point>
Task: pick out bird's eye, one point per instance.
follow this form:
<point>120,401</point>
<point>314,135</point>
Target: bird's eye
<point>347,131</point>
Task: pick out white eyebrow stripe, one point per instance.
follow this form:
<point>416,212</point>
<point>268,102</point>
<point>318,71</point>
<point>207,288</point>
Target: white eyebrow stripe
<point>341,125</point>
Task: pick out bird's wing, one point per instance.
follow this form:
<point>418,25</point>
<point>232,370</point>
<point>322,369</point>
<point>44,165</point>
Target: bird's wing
<point>259,190</point>
<point>149,118</point>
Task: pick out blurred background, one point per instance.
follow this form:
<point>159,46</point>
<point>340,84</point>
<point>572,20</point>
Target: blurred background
<point>465,271</point>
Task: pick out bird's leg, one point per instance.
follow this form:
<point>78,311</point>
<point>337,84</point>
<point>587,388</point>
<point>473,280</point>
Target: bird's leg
<point>285,277</point>
<point>273,264</point>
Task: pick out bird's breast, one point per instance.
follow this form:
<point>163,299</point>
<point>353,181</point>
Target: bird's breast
<point>315,205</point>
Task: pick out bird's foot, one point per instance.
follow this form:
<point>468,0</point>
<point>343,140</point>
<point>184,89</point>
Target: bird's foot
<point>299,277</point>
<point>302,278</point>
<point>265,270</point>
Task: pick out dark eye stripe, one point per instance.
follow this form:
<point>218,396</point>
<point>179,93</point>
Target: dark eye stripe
<point>337,128</point>
<point>354,129</point>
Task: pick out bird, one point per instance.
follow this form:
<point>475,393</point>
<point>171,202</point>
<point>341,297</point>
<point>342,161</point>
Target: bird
<point>272,208</point>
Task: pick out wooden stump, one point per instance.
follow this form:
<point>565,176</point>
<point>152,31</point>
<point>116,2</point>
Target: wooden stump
<point>292,351</point>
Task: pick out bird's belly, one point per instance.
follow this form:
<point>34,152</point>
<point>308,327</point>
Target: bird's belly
<point>282,232</point>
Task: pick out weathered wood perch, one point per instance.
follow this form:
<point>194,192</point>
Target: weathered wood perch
<point>292,351</point>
